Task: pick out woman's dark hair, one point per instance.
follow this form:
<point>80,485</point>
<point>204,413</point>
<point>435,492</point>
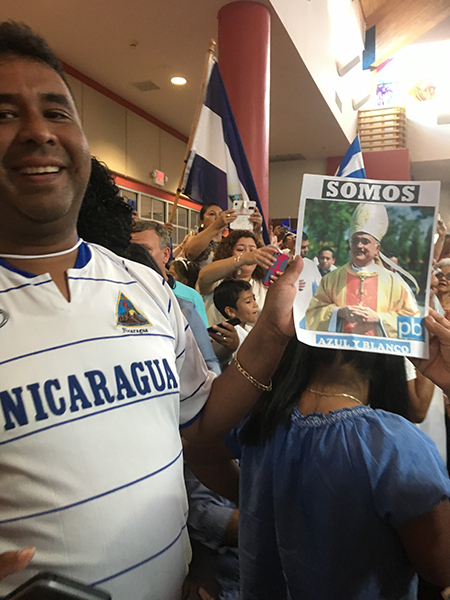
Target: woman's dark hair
<point>187,270</point>
<point>104,218</point>
<point>388,388</point>
<point>203,210</point>
<point>225,249</point>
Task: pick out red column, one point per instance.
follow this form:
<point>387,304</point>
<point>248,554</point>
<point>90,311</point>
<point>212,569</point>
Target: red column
<point>244,61</point>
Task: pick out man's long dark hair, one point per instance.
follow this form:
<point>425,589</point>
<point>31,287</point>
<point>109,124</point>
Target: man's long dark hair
<point>298,367</point>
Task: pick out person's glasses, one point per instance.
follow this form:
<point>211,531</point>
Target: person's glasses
<point>440,275</point>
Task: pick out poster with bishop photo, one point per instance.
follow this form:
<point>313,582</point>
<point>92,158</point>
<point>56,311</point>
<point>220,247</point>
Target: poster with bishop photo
<point>365,284</point>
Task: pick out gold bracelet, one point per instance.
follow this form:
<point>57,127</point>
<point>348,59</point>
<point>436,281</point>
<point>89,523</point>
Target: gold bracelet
<point>237,258</point>
<point>253,381</point>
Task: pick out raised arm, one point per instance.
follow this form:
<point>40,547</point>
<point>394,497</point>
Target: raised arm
<point>234,393</point>
<point>198,243</point>
<point>437,367</point>
<point>441,230</point>
<point>256,220</point>
<point>420,392</point>
<point>220,269</point>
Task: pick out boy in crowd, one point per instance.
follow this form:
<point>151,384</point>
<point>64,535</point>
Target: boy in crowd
<point>234,298</point>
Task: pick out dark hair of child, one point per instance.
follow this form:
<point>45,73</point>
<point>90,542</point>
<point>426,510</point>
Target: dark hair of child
<point>186,270</point>
<point>388,387</point>
<point>227,294</point>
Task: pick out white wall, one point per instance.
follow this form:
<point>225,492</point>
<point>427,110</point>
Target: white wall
<point>309,26</point>
<point>132,146</point>
<point>127,143</point>
<point>427,141</point>
<point>285,182</point>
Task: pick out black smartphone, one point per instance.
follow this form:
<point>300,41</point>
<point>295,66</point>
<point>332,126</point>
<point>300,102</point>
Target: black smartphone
<point>48,586</point>
<point>234,321</point>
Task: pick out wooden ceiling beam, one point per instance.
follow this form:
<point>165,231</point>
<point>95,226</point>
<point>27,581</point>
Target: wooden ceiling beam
<point>401,22</point>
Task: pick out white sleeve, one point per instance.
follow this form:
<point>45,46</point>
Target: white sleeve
<point>195,380</point>
<point>410,370</point>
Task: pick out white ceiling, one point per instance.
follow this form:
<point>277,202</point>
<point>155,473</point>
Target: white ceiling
<point>95,37</point>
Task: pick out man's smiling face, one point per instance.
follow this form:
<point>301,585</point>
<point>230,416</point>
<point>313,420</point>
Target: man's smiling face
<point>44,155</point>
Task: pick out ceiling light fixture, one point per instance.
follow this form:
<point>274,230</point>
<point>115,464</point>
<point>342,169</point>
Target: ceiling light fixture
<point>178,80</point>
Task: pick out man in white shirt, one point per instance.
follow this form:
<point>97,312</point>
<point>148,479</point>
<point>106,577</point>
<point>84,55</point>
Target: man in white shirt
<point>310,277</point>
<point>326,260</point>
<point>98,369</point>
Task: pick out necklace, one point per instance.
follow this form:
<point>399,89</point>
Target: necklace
<point>52,255</point>
<point>332,395</point>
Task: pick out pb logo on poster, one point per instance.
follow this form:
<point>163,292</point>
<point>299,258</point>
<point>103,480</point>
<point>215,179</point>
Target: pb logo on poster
<point>410,328</point>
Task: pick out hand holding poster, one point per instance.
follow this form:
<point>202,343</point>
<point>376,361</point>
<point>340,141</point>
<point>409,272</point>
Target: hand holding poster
<point>381,233</point>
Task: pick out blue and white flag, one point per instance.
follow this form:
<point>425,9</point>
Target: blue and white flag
<point>217,169</point>
<point>352,165</point>
<point>287,223</point>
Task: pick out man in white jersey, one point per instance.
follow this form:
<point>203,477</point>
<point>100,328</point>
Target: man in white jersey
<point>98,369</point>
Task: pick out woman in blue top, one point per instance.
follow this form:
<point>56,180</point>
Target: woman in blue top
<point>338,500</point>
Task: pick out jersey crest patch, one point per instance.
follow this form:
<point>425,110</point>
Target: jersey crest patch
<point>4,317</point>
<point>128,315</point>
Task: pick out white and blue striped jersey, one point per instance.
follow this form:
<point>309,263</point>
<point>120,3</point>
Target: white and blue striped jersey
<point>92,394</point>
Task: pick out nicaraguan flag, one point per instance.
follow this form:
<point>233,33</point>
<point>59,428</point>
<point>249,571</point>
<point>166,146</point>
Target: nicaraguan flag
<point>352,164</point>
<point>217,169</point>
<point>287,223</point>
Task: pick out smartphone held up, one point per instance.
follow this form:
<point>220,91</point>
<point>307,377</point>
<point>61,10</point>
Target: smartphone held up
<point>278,266</point>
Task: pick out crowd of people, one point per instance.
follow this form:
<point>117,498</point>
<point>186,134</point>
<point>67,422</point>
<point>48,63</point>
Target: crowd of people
<point>133,371</point>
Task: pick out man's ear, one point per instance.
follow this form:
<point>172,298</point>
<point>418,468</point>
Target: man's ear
<point>230,312</point>
<point>166,255</point>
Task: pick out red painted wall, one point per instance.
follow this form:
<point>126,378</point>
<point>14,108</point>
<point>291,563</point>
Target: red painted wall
<point>392,165</point>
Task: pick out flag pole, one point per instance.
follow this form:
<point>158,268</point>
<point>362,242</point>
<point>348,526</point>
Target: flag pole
<point>211,54</point>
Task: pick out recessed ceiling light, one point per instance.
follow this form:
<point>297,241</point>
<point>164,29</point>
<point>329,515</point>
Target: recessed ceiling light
<point>178,80</point>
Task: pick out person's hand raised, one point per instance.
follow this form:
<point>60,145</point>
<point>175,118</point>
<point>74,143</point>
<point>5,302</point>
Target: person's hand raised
<point>225,218</point>
<point>263,257</point>
<point>437,367</point>
<point>256,219</point>
<point>277,316</point>
<point>169,227</point>
<point>441,228</point>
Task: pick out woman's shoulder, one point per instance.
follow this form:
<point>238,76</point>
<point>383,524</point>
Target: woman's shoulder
<point>369,429</point>
<point>206,257</point>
